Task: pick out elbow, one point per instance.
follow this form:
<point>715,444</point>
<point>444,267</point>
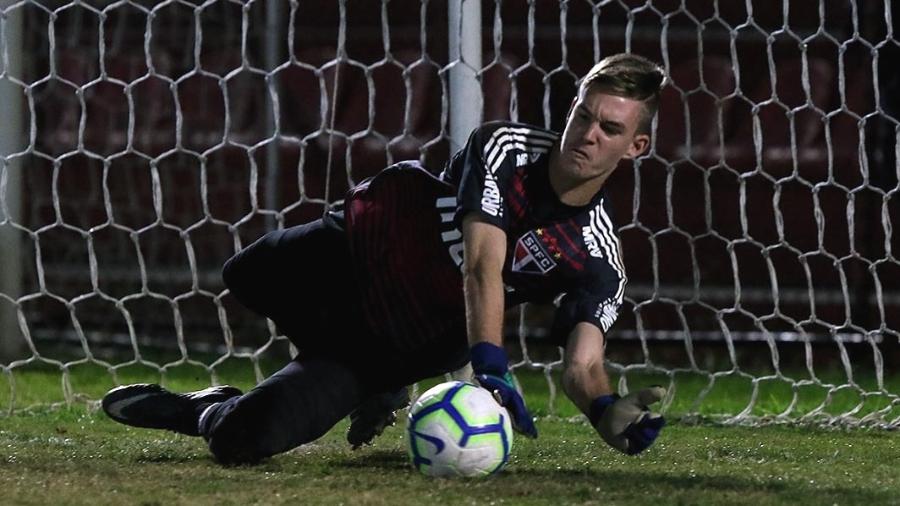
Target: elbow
<point>478,272</point>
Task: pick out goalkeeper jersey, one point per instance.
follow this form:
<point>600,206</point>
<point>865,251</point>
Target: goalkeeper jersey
<point>404,228</point>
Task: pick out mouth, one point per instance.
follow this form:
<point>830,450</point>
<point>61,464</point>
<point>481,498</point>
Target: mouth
<point>580,152</point>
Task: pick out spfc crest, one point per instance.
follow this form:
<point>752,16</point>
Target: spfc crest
<point>531,257</point>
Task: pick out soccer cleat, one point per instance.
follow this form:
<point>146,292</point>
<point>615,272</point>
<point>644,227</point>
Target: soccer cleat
<point>151,406</point>
<point>373,415</point>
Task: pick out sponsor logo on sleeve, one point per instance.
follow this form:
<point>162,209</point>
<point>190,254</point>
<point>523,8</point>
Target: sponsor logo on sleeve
<point>528,158</point>
<point>490,197</point>
<point>607,312</point>
<point>590,240</point>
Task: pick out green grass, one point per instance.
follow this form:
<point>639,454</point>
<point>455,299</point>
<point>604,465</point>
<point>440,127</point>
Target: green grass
<point>726,393</point>
<point>75,455</point>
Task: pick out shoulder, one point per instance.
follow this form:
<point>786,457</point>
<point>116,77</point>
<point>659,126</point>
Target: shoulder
<point>513,126</point>
<point>500,139</point>
<point>402,174</point>
<point>499,133</point>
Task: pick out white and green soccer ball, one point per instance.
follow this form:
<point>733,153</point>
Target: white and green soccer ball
<point>458,429</point>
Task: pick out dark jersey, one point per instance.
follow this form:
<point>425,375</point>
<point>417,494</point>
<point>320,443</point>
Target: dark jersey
<point>553,249</point>
<point>404,231</point>
<point>411,291</point>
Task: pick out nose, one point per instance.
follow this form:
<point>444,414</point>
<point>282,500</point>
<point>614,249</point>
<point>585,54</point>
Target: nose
<point>591,133</point>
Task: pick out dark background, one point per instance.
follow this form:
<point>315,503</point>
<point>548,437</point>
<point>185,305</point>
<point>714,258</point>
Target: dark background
<point>767,203</point>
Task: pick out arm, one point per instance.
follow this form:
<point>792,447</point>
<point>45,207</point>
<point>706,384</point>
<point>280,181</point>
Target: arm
<point>485,251</point>
<point>625,423</point>
<point>584,375</point>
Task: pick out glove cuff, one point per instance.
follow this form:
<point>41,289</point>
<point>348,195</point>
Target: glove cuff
<point>489,358</point>
<point>599,405</point>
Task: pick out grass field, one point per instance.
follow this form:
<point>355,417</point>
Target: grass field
<point>75,455</point>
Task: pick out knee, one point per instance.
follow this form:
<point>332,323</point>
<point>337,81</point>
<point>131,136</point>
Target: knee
<point>234,277</point>
<point>235,452</point>
<point>236,438</point>
<point>243,271</point>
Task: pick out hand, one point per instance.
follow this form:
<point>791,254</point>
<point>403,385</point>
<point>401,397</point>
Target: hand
<point>490,365</point>
<point>626,423</point>
<point>507,395</point>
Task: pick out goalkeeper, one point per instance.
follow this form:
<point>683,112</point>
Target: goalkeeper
<point>524,207</point>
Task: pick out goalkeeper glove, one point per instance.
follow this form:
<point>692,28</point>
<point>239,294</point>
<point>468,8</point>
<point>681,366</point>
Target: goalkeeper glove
<point>626,423</point>
<point>491,367</point>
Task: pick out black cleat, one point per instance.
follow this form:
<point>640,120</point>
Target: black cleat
<point>373,415</point>
<point>153,407</point>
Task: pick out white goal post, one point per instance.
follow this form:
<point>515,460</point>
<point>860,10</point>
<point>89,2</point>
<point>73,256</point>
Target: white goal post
<point>146,141</point>
<point>11,135</point>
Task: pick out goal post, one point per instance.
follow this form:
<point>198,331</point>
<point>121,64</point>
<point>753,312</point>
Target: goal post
<point>466,101</point>
<point>464,45</point>
<point>146,141</point>
<point>12,133</point>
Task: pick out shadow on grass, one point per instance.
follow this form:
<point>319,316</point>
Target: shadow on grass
<point>565,477</point>
<point>575,482</point>
<point>580,484</point>
<point>380,459</point>
<point>174,458</point>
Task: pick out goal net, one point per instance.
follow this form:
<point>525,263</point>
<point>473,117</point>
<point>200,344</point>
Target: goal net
<point>144,142</point>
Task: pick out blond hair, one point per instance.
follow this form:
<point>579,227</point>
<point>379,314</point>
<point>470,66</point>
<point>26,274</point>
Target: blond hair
<point>630,76</point>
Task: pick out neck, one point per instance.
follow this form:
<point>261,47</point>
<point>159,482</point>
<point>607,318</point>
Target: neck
<point>570,190</point>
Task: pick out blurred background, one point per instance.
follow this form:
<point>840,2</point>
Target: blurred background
<point>145,142</point>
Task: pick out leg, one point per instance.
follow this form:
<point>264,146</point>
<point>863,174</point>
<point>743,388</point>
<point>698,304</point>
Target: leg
<point>296,405</point>
<point>397,370</point>
<point>376,412</point>
<point>151,406</point>
<point>302,279</point>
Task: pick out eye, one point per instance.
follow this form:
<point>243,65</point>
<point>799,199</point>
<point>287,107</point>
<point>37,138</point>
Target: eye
<point>611,129</point>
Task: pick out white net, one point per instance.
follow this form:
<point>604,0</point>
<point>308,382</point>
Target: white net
<point>147,141</point>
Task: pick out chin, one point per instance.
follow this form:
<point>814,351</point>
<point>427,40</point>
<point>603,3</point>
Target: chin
<point>578,168</point>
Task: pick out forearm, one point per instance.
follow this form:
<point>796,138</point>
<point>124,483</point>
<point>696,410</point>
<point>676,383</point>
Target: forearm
<point>625,423</point>
<point>485,251</point>
<point>584,375</point>
<point>483,292</point>
<point>484,319</point>
<point>582,384</point>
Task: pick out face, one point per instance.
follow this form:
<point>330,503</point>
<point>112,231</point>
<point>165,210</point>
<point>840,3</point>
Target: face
<point>601,129</point>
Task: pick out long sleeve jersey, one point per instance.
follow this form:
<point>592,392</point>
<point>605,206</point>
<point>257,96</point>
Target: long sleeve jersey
<point>404,227</point>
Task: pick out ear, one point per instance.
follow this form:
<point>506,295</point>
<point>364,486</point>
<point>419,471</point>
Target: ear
<point>638,146</point>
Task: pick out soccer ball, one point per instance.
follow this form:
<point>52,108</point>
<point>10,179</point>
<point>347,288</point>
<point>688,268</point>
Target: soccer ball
<point>458,429</point>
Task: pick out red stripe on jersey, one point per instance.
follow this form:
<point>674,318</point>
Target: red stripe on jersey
<point>389,203</point>
<point>517,208</point>
<point>412,290</point>
<point>410,241</point>
<point>518,193</point>
<point>374,232</point>
<point>577,263</point>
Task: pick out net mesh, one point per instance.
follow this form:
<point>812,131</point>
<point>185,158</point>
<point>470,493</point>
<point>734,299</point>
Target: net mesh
<point>147,141</point>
